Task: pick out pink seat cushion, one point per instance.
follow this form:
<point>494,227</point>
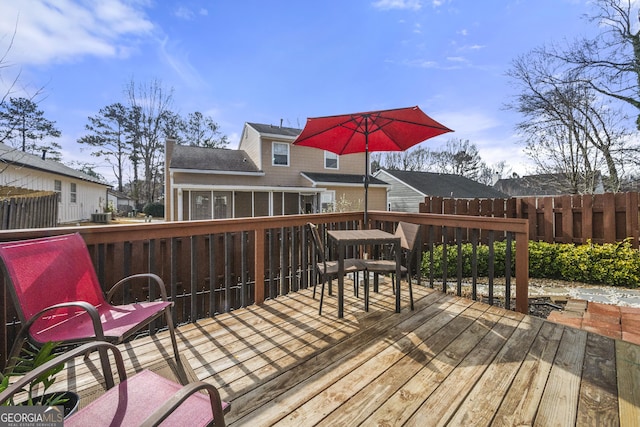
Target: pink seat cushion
<point>117,322</point>
<point>59,269</point>
<point>131,402</point>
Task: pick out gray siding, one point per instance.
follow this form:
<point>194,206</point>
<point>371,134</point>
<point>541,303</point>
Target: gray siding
<point>401,197</point>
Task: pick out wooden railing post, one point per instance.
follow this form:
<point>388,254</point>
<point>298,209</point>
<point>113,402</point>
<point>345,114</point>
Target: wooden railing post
<point>522,271</point>
<point>259,266</point>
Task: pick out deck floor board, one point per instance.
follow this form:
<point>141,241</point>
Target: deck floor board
<point>452,361</point>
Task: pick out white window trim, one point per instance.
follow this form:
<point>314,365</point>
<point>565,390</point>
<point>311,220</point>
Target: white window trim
<point>273,156</point>
<point>73,194</point>
<point>337,160</point>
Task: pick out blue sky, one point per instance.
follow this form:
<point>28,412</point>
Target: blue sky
<point>263,61</point>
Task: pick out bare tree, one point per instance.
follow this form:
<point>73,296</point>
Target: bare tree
<point>609,63</point>
<point>151,106</point>
<point>460,157</point>
<point>416,159</point>
<point>567,126</point>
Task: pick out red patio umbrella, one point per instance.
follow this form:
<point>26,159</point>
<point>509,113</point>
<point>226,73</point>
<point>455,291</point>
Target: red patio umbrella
<point>384,130</point>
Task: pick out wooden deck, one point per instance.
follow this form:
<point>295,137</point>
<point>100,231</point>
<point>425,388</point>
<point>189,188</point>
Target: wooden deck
<point>451,361</point>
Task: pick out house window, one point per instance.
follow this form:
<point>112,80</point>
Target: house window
<point>57,187</point>
<point>201,205</point>
<point>327,201</point>
<point>221,205</point>
<point>330,160</point>
<point>280,154</point>
<point>73,194</point>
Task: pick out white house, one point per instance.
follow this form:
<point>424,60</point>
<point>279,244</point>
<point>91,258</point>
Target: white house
<point>80,194</point>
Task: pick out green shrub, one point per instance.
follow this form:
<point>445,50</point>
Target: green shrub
<point>155,209</point>
<point>616,264</point>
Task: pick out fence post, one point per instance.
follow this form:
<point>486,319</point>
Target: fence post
<point>631,213</point>
<point>259,266</point>
<point>522,272</point>
<point>609,217</point>
<point>567,218</point>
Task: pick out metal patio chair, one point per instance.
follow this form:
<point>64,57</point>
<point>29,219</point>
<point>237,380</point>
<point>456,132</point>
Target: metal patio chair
<point>58,298</point>
<point>144,399</point>
<point>410,244</point>
<point>328,270</point>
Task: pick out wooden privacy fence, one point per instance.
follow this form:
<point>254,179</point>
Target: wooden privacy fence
<point>601,218</point>
<point>28,210</point>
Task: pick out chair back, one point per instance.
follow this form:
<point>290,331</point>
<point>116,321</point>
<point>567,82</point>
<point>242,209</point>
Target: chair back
<point>409,235</point>
<point>317,241</point>
<point>47,271</point>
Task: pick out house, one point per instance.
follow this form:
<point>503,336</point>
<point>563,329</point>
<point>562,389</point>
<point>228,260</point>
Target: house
<point>551,184</point>
<point>265,176</point>
<point>120,202</point>
<point>80,194</point>
<point>409,188</point>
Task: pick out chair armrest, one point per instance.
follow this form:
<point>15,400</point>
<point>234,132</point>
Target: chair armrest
<point>82,350</point>
<point>23,332</point>
<point>157,279</point>
<point>90,309</point>
<point>183,394</point>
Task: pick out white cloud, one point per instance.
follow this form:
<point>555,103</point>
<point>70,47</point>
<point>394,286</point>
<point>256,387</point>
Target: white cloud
<point>179,62</point>
<point>184,13</point>
<point>188,14</point>
<point>63,30</point>
<point>397,4</point>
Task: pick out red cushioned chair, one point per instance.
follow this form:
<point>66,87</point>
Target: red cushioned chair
<point>58,297</point>
<point>145,399</point>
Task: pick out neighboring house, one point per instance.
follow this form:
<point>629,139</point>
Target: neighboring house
<point>543,185</point>
<point>120,202</point>
<point>409,188</point>
<point>265,176</point>
<point>80,194</point>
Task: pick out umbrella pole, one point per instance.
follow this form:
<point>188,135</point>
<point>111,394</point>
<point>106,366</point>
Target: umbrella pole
<point>366,189</point>
<point>366,172</point>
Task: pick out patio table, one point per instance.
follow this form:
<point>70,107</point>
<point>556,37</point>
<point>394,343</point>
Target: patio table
<point>343,238</point>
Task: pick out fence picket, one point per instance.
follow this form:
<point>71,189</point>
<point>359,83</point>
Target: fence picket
<point>601,218</point>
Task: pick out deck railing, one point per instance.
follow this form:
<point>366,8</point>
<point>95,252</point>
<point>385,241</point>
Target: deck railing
<point>218,266</point>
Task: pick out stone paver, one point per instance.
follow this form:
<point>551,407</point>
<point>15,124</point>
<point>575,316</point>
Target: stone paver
<point>604,319</point>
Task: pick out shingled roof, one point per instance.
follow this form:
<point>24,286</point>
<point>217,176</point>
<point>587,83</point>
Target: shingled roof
<point>213,159</point>
<point>549,184</point>
<point>14,156</point>
<point>445,185</point>
<point>341,178</point>
<point>275,130</point>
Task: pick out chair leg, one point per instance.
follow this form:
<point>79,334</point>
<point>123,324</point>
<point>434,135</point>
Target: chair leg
<point>366,291</point>
<point>410,288</point>
<point>356,284</point>
<point>182,376</point>
<point>15,352</point>
<point>321,297</point>
<point>315,284</point>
